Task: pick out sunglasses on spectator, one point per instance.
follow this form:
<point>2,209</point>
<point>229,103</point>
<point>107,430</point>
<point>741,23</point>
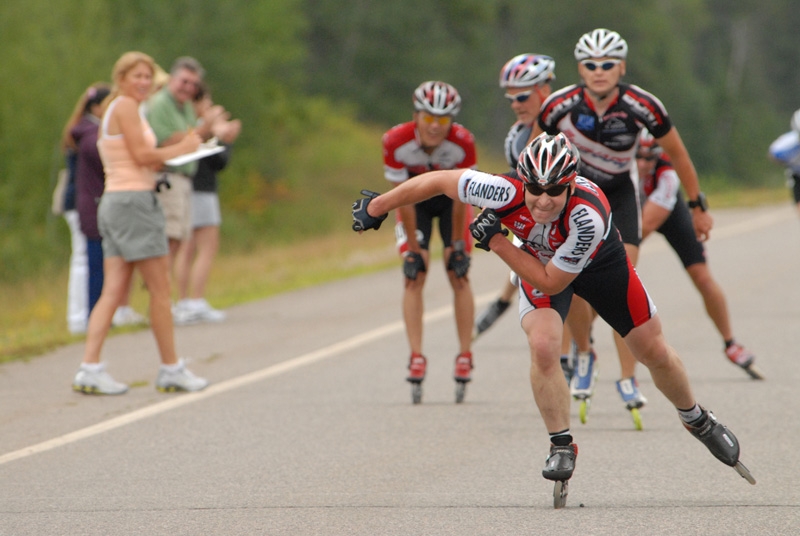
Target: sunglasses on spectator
<point>552,191</point>
<point>604,65</point>
<point>649,158</point>
<point>520,97</point>
<point>443,120</point>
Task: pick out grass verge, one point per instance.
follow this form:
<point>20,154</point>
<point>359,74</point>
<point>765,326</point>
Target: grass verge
<point>32,313</point>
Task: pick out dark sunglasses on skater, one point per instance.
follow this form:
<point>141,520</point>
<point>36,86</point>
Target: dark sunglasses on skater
<point>520,97</point>
<point>552,191</point>
<point>649,158</point>
<point>604,65</point>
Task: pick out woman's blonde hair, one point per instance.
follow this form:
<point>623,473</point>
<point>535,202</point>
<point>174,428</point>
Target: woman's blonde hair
<point>125,63</point>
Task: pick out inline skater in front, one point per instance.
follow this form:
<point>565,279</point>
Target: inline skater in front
<point>603,116</point>
<point>665,212</point>
<point>571,247</point>
<point>432,140</point>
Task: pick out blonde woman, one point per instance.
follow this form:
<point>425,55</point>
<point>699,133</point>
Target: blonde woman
<point>131,223</point>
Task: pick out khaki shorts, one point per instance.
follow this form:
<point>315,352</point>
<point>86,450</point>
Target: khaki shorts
<point>177,204</point>
<point>132,225</point>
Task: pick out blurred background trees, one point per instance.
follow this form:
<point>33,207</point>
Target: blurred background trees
<point>317,81</point>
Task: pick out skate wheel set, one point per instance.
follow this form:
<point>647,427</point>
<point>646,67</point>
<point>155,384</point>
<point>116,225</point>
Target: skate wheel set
<point>583,408</point>
<point>637,418</point>
<point>744,472</point>
<point>461,390</point>
<point>416,392</point>
<point>560,490</point>
<point>754,372</point>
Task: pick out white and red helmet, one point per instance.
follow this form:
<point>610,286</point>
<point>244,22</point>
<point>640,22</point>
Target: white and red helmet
<point>527,70</point>
<point>437,98</point>
<point>648,145</point>
<point>549,161</point>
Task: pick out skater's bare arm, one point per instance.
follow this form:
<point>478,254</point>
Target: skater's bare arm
<point>417,189</point>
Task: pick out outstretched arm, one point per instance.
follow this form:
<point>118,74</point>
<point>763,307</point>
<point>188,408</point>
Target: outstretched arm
<point>418,189</point>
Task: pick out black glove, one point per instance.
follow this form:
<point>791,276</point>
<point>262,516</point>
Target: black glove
<point>484,227</point>
<point>459,259</point>
<point>361,219</point>
<point>413,263</point>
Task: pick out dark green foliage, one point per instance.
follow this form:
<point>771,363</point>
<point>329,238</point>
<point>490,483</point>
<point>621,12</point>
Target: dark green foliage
<point>300,72</point>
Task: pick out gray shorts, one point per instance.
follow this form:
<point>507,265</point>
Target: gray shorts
<point>132,225</point>
<point>177,204</point>
<point>205,210</point>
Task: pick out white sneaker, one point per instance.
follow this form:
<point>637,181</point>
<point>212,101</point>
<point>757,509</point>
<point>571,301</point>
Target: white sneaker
<point>97,382</point>
<point>184,313</point>
<point>206,312</point>
<point>179,380</point>
<point>126,316</point>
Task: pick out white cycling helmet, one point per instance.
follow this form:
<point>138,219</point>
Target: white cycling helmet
<point>549,161</point>
<point>601,43</point>
<point>796,121</point>
<point>437,98</point>
<point>527,70</point>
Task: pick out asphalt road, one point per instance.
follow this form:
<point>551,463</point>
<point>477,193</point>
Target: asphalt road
<point>308,427</point>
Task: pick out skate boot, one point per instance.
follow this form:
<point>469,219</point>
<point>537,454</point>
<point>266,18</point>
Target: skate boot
<point>633,399</point>
<point>489,316</point>
<point>720,441</point>
<point>462,374</point>
<point>416,374</point>
<point>559,466</point>
<point>741,356</point>
<point>584,376</point>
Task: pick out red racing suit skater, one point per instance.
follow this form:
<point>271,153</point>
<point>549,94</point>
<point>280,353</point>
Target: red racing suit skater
<point>404,158</point>
<point>581,240</point>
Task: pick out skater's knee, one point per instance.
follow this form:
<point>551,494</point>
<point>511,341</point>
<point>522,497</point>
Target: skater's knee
<point>544,354</point>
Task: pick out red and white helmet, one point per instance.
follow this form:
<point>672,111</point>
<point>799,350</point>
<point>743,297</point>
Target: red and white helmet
<point>549,161</point>
<point>527,70</point>
<point>647,144</point>
<point>601,43</point>
<point>437,98</point>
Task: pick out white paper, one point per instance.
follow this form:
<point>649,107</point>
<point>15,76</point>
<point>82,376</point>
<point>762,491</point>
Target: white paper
<point>202,152</point>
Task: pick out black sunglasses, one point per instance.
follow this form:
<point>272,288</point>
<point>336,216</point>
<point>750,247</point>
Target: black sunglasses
<point>645,157</point>
<point>552,191</point>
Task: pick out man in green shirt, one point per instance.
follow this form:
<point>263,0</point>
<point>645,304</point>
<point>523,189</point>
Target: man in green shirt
<point>170,113</point>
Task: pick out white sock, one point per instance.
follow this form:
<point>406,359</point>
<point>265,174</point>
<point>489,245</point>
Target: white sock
<point>173,368</point>
<point>690,415</point>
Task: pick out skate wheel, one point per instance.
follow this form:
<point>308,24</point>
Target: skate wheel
<point>744,472</point>
<point>583,410</point>
<point>754,372</point>
<point>637,418</point>
<point>416,393</point>
<point>560,491</point>
<point>461,389</point>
